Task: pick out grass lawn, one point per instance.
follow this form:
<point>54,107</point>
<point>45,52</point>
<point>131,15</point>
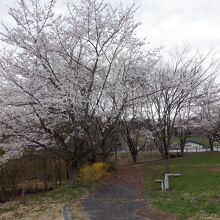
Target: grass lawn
<point>194,195</point>
<point>47,206</point>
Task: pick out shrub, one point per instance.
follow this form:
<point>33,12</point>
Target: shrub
<point>92,173</point>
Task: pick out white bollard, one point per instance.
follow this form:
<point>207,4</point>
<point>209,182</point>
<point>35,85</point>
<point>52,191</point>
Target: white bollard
<point>166,180</point>
<point>165,183</point>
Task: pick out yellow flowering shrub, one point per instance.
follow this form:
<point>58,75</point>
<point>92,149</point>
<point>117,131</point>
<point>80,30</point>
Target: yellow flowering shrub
<point>92,173</point>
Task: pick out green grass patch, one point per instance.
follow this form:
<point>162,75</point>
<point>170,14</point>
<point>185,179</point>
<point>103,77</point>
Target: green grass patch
<point>63,194</point>
<point>195,193</point>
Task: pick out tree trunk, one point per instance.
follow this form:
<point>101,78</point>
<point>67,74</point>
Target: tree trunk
<point>93,158</point>
<point>45,180</point>
<point>211,145</point>
<point>133,151</point>
<point>116,154</point>
<point>59,172</point>
<point>166,165</point>
<point>3,196</point>
<point>55,174</point>
<point>67,170</point>
<point>182,145</point>
<point>211,142</point>
<point>166,162</point>
<point>23,194</point>
<point>134,157</point>
<point>182,138</point>
<point>75,172</point>
<point>75,177</point>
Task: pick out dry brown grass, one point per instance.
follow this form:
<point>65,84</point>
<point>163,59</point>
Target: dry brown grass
<point>47,206</point>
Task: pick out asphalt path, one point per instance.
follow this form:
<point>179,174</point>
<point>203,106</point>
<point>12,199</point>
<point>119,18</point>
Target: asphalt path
<point>118,199</point>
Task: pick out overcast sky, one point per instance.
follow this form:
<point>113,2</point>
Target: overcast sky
<point>169,23</point>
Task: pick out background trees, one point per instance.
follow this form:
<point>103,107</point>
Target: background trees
<point>209,111</point>
<point>176,84</point>
<point>73,84</point>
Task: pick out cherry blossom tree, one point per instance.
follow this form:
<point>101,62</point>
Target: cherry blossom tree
<point>185,121</point>
<point>133,129</point>
<point>61,72</point>
<point>208,112</point>
<point>175,81</point>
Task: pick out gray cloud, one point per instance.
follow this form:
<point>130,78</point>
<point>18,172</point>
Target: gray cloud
<point>169,23</point>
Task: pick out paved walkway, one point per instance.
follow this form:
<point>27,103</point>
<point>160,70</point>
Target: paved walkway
<point>120,197</point>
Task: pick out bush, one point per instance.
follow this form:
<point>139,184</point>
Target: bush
<point>92,173</point>
<point>96,171</point>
